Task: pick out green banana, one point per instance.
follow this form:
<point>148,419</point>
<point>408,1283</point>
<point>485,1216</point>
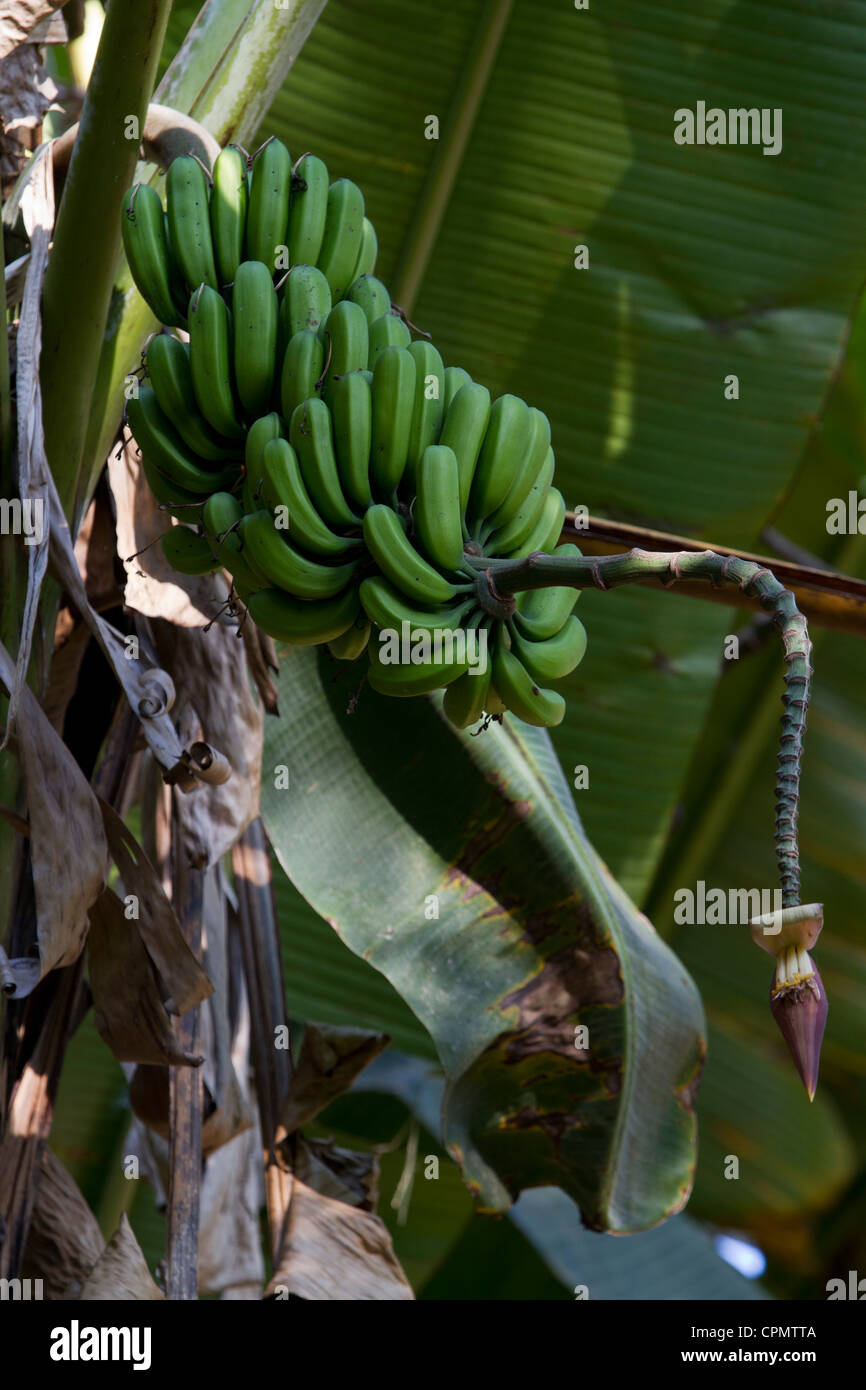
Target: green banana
<point>179,501</point>
<point>547,530</point>
<point>283,486</point>
<point>524,521</point>
<point>400,562</point>
<point>518,691</point>
<point>286,567</point>
<point>393,408</point>
<point>311,435</point>
<point>436,513</point>
<point>210,358</point>
<point>254,311</point>
<point>268,209</point>
<point>369,250</point>
<point>351,405</point>
<point>372,296</point>
<point>533,463</point>
<point>455,379</point>
<point>306,301</point>
<point>466,698</point>
<point>188,207</point>
<point>506,443</point>
<point>228,211</point>
<point>352,643</point>
<point>344,231</point>
<point>188,552</point>
<point>179,291</point>
<point>463,430</point>
<point>302,371</point>
<point>307,210</point>
<point>541,613</point>
<point>387,607</point>
<point>144,242</point>
<point>428,409</point>
<point>221,519</point>
<point>259,434</point>
<point>167,362</point>
<point>556,656</point>
<point>163,448</point>
<point>404,680</point>
<point>348,334</point>
<point>387,331</point>
<point>300,622</point>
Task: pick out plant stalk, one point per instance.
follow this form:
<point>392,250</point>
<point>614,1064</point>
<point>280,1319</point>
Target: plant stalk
<point>81,269</point>
<point>539,571</point>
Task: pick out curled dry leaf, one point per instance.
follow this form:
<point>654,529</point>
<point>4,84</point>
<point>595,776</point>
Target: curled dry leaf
<point>26,93</point>
<point>226,1111</point>
<point>128,1010</point>
<point>68,847</point>
<point>334,1251</point>
<point>25,21</point>
<point>211,679</point>
<point>330,1059</point>
<point>153,587</point>
<point>183,982</point>
<point>347,1175</point>
<point>64,1241</point>
<point>232,1192</point>
<point>121,1273</point>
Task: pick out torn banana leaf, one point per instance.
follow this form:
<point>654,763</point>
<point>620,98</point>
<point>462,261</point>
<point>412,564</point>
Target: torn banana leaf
<point>457,866</point>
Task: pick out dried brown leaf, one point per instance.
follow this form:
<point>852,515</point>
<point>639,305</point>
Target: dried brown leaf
<point>183,981</point>
<point>332,1251</point>
<point>68,848</point>
<point>121,1272</point>
<point>230,1246</point>
<point>26,93</point>
<point>330,1059</point>
<point>128,1010</point>
<point>64,1241</point>
<point>24,22</point>
<point>211,681</point>
<point>347,1175</point>
<point>153,587</point>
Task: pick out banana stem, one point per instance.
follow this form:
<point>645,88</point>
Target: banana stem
<point>540,571</point>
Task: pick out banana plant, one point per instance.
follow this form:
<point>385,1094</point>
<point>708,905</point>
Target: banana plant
<point>474,916</point>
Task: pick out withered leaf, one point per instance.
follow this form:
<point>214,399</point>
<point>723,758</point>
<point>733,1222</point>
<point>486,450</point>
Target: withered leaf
<point>334,1251</point>
<point>209,670</point>
<point>128,1010</point>
<point>347,1175</point>
<point>121,1272</point>
<point>331,1057</point>
<point>183,981</point>
<point>68,847</point>
<point>19,19</point>
<point>153,587</point>
<point>64,1241</point>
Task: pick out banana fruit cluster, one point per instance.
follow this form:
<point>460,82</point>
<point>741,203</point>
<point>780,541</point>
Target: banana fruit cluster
<point>349,482</point>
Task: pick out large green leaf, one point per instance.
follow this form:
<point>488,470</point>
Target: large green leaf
<point>457,867</point>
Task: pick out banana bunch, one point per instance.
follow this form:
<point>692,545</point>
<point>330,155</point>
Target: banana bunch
<point>263,209</point>
<point>391,489</point>
<point>305,442</point>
